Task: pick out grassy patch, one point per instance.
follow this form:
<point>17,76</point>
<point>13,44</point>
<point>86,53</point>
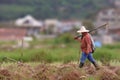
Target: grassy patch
<point>50,51</point>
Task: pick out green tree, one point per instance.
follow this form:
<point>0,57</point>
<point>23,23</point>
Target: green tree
<point>42,9</point>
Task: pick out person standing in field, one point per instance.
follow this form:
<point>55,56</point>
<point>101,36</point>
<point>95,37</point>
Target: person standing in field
<point>86,47</point>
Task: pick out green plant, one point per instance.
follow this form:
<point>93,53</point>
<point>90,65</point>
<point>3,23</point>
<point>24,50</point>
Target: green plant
<point>64,38</point>
<point>103,55</point>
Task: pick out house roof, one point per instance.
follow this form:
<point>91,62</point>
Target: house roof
<point>28,21</point>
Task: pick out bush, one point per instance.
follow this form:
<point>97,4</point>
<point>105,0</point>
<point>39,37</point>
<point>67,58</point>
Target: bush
<point>65,38</point>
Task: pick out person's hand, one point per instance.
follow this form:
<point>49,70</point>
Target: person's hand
<point>87,52</point>
<point>76,37</point>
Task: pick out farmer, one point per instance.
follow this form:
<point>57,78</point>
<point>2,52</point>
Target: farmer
<point>86,47</point>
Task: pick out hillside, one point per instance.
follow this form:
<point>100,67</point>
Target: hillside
<point>42,9</point>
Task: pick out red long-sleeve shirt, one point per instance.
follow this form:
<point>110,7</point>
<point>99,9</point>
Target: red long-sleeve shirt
<point>86,43</point>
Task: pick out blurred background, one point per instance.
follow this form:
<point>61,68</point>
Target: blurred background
<point>43,30</point>
<point>37,39</point>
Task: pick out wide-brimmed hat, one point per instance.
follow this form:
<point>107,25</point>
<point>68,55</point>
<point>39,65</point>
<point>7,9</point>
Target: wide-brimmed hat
<point>82,29</point>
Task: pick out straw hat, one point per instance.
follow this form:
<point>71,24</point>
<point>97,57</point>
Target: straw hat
<point>82,29</point>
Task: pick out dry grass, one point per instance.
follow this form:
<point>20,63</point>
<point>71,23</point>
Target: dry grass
<point>69,71</point>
